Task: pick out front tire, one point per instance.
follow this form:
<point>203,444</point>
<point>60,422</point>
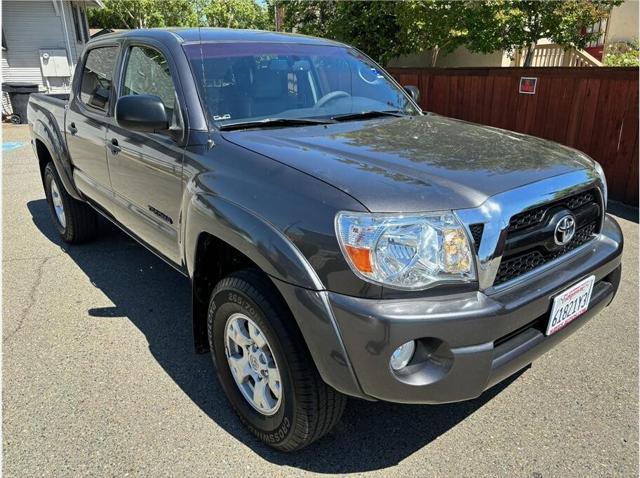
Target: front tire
<point>75,220</point>
<point>253,341</point>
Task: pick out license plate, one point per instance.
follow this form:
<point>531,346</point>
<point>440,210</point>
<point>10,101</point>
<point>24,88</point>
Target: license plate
<point>570,305</point>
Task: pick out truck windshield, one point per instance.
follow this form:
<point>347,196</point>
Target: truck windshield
<point>248,82</point>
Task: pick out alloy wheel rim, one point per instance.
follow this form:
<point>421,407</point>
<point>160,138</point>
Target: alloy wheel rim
<point>57,204</point>
<point>252,364</point>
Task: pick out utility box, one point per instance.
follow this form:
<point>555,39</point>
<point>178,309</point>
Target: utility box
<point>54,63</point>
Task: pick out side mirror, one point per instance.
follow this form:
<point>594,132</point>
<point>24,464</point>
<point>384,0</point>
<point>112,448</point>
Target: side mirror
<point>414,92</point>
<point>144,113</point>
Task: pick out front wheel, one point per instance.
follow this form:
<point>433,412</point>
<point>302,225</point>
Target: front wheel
<point>264,367</point>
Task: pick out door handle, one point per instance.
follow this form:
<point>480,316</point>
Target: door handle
<point>113,146</point>
<point>72,128</point>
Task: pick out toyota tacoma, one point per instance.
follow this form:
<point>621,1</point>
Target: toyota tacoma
<point>339,240</point>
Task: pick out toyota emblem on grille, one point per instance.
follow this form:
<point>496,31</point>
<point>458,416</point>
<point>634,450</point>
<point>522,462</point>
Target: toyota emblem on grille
<point>565,229</point>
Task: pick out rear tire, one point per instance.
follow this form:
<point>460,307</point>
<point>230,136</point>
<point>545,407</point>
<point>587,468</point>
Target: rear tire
<point>304,408</point>
<point>75,221</point>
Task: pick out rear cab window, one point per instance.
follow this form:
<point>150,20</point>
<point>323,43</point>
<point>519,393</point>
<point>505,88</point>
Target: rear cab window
<point>96,86</point>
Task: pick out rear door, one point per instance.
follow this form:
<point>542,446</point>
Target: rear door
<point>87,119</point>
<point>146,168</point>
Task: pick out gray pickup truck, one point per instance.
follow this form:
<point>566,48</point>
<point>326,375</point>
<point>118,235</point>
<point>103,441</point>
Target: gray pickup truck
<point>339,240</point>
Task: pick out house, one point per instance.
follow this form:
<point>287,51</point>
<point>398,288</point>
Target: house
<point>621,26</point>
<point>42,41</point>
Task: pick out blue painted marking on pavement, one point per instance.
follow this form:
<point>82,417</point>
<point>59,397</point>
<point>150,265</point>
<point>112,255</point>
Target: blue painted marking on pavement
<point>11,146</point>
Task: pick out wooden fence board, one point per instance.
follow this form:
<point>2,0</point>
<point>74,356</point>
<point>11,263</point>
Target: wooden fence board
<point>594,110</point>
<point>632,182</point>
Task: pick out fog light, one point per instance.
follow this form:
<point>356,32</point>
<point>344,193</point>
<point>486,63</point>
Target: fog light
<point>402,355</point>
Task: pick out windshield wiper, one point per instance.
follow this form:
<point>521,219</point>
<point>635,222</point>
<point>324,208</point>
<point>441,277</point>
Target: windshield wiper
<point>367,115</point>
<point>273,122</point>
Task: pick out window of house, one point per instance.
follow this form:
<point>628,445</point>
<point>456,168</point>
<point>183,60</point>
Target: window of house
<point>148,73</point>
<point>4,41</point>
<point>97,77</point>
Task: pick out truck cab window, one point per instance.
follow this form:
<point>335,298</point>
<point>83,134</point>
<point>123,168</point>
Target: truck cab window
<point>148,73</point>
<point>97,77</point>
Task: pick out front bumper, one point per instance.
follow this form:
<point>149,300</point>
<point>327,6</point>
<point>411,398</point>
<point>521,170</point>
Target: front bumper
<point>467,342</point>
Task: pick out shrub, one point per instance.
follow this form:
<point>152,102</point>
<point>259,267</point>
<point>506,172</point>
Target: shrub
<point>622,54</point>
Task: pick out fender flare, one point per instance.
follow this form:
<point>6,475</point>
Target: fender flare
<point>52,140</point>
<point>258,240</point>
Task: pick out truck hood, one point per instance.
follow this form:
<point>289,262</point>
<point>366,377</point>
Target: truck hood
<point>413,164</point>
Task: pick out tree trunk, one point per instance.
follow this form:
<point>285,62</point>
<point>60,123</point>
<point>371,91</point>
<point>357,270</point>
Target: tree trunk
<point>276,19</point>
<point>434,56</point>
<point>529,58</point>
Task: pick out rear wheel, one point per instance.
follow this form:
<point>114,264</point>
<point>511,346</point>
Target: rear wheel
<point>264,367</point>
<point>75,221</point>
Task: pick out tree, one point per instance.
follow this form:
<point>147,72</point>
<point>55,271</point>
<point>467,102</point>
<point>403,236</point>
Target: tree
<point>236,14</point>
<point>383,29</point>
<point>181,13</point>
<point>369,26</point>
<point>372,27</point>
<point>432,25</point>
<point>143,14</point>
<point>310,17</point>
<point>512,25</point>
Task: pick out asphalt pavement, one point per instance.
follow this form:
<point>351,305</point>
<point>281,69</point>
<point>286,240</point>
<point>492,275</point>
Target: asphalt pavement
<point>99,377</point>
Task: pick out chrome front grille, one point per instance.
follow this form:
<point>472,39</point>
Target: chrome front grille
<point>476,233</point>
<point>512,267</point>
<point>504,226</point>
<point>535,216</point>
<point>529,242</point>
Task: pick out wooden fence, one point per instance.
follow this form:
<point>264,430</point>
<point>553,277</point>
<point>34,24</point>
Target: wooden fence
<point>594,110</point>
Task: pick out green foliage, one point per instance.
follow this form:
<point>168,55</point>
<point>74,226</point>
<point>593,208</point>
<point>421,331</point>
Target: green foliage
<point>432,25</point>
<point>310,17</point>
<point>382,29</point>
<point>373,27</point>
<point>236,14</point>
<point>142,14</point>
<point>513,25</point>
<point>387,29</point>
<point>622,54</point>
<point>181,13</point>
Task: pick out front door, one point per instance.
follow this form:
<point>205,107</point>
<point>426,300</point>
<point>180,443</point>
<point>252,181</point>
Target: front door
<point>87,120</point>
<point>146,168</point>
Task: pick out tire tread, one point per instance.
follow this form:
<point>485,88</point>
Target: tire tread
<point>81,219</point>
<point>320,406</point>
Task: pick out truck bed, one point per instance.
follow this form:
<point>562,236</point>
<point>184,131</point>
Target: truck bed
<point>48,109</point>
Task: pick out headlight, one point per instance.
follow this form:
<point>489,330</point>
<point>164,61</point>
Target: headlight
<point>603,178</point>
<point>405,252</point>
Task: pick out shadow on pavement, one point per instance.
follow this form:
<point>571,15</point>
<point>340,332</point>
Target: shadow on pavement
<point>622,210</point>
<point>156,299</point>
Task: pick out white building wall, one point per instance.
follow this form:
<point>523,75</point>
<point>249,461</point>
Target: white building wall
<point>30,26</point>
<point>623,23</point>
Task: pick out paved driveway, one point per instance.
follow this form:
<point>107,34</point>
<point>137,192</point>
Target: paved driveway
<point>99,378</point>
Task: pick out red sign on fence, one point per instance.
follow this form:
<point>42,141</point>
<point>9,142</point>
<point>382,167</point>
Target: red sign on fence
<point>528,85</point>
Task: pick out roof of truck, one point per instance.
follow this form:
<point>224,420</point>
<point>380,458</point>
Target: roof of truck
<point>229,35</point>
